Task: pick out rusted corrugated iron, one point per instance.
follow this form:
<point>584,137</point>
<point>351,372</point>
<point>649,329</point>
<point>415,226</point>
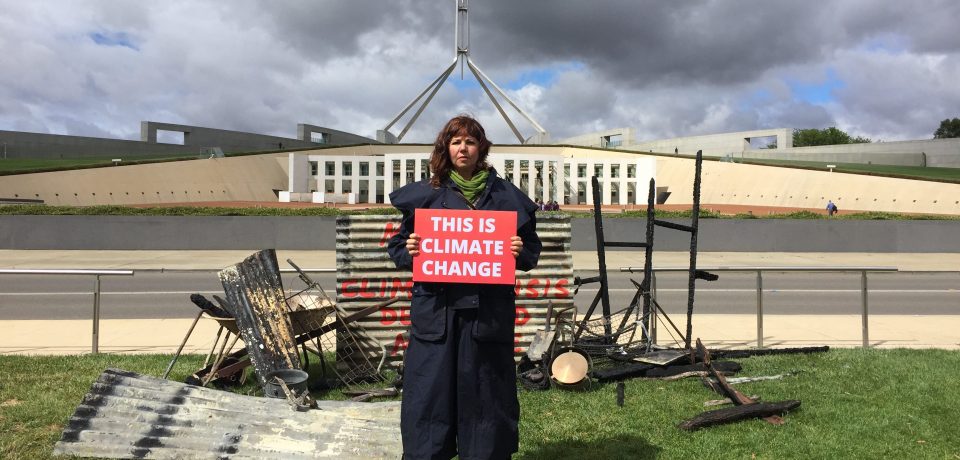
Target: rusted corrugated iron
<point>366,275</point>
<point>128,415</point>
<point>255,298</point>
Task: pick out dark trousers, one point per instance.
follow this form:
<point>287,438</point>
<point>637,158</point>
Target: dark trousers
<point>459,395</point>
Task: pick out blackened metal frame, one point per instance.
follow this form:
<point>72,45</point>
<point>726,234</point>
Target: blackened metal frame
<point>644,291</point>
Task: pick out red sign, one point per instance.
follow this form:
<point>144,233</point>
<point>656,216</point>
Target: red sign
<point>461,246</point>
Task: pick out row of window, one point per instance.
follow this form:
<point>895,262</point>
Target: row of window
<point>346,169</point>
<point>573,193</point>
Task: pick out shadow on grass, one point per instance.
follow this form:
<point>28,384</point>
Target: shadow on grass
<point>618,447</point>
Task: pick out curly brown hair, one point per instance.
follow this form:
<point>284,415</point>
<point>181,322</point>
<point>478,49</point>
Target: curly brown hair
<point>440,164</point>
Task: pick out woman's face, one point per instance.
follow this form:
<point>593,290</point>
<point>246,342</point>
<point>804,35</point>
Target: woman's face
<point>464,154</point>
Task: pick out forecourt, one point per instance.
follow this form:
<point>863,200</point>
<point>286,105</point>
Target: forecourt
<point>908,309</point>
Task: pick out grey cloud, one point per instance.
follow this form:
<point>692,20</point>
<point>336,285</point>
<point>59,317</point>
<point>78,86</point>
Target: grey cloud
<point>665,68</point>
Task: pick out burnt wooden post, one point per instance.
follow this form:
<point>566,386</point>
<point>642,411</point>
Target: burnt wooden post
<point>694,223</point>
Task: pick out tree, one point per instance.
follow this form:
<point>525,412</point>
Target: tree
<point>826,136</point>
<point>948,129</point>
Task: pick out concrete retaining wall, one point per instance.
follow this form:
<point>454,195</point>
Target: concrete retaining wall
<point>243,178</point>
<point>756,185</point>
<point>316,233</point>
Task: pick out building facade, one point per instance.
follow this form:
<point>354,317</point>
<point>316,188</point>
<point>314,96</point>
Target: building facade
<point>545,174</point>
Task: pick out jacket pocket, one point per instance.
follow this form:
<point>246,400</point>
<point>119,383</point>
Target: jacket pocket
<point>496,318</point>
<point>428,318</point>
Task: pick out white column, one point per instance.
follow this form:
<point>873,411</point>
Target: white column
<point>497,164</point>
<point>589,183</point>
<point>561,181</point>
<point>624,199</point>
<point>516,171</point>
<point>605,183</point>
<point>531,179</point>
<point>387,178</point>
<point>355,179</point>
<point>337,174</point>
<point>547,183</point>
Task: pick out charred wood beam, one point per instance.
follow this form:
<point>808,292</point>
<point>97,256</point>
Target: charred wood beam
<point>694,224</point>
<point>625,244</point>
<point>628,371</point>
<point>645,284</point>
<point>730,392</point>
<point>673,226</point>
<point>589,313</point>
<point>737,413</point>
<point>634,302</point>
<point>766,352</point>
<point>601,256</point>
<point>705,275</point>
<point>582,281</point>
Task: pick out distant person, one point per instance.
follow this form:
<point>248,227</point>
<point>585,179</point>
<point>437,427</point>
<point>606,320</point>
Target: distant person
<point>831,208</point>
<point>676,151</point>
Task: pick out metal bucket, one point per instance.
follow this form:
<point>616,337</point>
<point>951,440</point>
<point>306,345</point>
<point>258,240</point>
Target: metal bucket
<point>295,379</point>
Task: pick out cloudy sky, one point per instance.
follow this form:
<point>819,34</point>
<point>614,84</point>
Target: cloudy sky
<point>882,69</point>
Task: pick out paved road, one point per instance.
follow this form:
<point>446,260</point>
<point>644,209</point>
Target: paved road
<point>166,294</point>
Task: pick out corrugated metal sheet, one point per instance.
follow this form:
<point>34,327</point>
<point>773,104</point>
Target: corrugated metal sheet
<point>128,415</point>
<point>366,275</point>
<point>255,299</point>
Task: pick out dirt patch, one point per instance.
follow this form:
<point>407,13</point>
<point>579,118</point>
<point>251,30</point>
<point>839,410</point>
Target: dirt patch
<point>10,403</point>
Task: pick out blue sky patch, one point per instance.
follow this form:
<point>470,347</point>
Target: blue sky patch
<point>541,76</point>
<point>544,76</point>
<point>820,92</point>
<point>757,98</point>
<point>114,39</point>
<point>887,43</point>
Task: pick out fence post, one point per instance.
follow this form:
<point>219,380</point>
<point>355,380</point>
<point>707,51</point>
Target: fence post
<point>865,313</point>
<point>96,316</point>
<point>759,309</point>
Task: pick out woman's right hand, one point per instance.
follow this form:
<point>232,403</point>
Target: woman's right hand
<point>413,244</point>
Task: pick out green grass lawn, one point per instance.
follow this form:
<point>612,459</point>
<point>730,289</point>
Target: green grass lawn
<point>31,165</point>
<point>855,404</point>
<point>912,172</point>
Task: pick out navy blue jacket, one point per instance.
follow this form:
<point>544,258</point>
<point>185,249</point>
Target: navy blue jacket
<point>497,310</point>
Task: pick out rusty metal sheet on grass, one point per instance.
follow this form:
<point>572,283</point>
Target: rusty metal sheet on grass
<point>128,415</point>
<point>366,275</point>
<point>255,297</point>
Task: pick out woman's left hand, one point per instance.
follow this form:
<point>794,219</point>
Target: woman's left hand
<point>516,244</point>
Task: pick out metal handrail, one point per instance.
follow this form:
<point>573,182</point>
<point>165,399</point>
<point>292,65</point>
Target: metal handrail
<point>95,347</point>
<point>282,270</point>
<point>97,273</point>
<point>864,314</point>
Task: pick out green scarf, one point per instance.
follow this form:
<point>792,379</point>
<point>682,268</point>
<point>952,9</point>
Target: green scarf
<point>471,188</point>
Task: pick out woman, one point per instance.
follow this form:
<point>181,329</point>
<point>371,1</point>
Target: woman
<point>459,380</point>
